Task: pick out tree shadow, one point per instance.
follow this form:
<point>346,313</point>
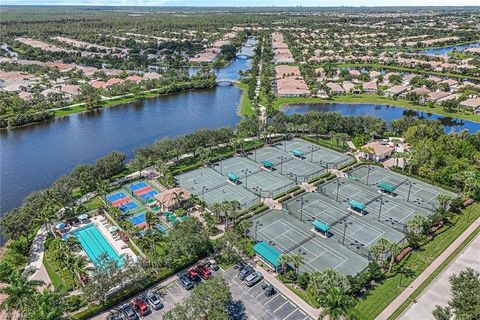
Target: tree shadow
<point>236,310</point>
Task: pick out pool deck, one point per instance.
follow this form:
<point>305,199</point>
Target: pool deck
<point>119,245</point>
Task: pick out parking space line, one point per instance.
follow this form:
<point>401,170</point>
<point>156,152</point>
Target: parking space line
<point>290,314</point>
<point>279,296</point>
<point>281,306</point>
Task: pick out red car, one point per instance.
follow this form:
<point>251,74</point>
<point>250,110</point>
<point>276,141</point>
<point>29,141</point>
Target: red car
<point>204,272</point>
<point>141,307</point>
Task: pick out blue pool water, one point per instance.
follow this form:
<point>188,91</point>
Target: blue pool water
<point>445,50</point>
<point>95,244</point>
<point>385,112</point>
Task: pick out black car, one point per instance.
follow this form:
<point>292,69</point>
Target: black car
<point>129,312</point>
<point>245,272</point>
<point>270,291</point>
<point>239,266</point>
<point>186,283</point>
<point>153,300</point>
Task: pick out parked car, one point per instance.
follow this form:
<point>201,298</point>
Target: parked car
<point>154,300</point>
<point>141,306</point>
<point>253,279</point>
<point>194,276</point>
<point>239,266</point>
<point>185,282</point>
<point>270,291</point>
<point>213,265</point>
<point>129,312</point>
<point>204,272</point>
<point>248,270</point>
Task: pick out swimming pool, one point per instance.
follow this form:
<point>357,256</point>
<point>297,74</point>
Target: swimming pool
<point>95,244</point>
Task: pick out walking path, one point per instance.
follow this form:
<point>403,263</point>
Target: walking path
<point>311,311</point>
<point>35,261</point>
<point>390,309</point>
<point>436,293</point>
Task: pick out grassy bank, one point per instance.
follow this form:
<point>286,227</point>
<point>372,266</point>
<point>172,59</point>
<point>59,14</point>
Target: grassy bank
<point>432,276</point>
<point>245,107</point>
<point>376,301</point>
<point>376,99</point>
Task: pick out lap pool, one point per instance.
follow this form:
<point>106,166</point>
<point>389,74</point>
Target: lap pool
<point>95,244</point>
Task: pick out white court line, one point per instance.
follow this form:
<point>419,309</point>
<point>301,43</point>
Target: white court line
<point>333,253</point>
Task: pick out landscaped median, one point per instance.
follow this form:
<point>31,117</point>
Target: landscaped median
<point>378,299</point>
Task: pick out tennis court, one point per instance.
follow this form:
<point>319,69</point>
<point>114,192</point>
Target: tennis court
<point>230,192</point>
<point>366,230</point>
<point>201,180</point>
<point>272,154</point>
<point>288,234</point>
<point>267,184</point>
<point>299,170</point>
<point>239,166</point>
<point>314,153</point>
<point>409,189</point>
<point>115,197</point>
<point>344,190</point>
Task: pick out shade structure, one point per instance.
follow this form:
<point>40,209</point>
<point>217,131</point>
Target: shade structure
<point>233,177</point>
<point>268,253</point>
<point>113,229</point>
<point>60,225</point>
<point>267,164</point>
<point>83,217</point>
<point>386,187</point>
<point>166,214</point>
<point>298,153</point>
<point>357,205</point>
<point>319,225</point>
<point>172,218</point>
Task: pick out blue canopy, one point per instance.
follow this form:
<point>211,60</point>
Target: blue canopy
<point>321,226</point>
<point>298,153</point>
<point>267,164</point>
<point>386,187</point>
<point>233,177</point>
<point>268,253</point>
<point>357,205</point>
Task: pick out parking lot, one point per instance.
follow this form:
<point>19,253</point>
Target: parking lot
<point>252,303</point>
<point>247,303</point>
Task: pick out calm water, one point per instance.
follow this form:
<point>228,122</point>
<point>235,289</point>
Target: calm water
<point>445,50</point>
<point>387,113</point>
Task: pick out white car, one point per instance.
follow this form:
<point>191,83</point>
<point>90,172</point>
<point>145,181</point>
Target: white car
<point>253,279</point>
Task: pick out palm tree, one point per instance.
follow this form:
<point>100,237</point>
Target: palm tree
<point>178,197</point>
<point>48,305</point>
<point>19,292</point>
<point>394,249</point>
<point>74,265</point>
<point>380,251</point>
<point>444,200</point>
<point>151,219</point>
<point>297,261</point>
<point>416,224</point>
<point>367,152</point>
<point>284,260</point>
<point>217,211</point>
<point>335,304</point>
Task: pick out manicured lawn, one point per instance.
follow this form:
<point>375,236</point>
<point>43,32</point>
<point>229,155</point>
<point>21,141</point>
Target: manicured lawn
<point>307,297</point>
<point>60,279</point>
<point>432,276</point>
<point>245,106</point>
<point>94,203</point>
<point>374,303</point>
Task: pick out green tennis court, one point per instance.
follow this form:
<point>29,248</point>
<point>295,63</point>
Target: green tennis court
<point>288,234</point>
<point>267,184</point>
<point>229,192</point>
<point>201,180</point>
<point>414,191</point>
<point>314,153</point>
<point>238,165</point>
<point>272,154</point>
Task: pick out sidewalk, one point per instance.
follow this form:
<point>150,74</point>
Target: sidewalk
<point>311,311</point>
<point>35,261</point>
<point>390,309</point>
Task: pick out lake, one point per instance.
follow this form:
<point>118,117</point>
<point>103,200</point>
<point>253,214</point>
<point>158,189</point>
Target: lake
<point>385,112</point>
<point>445,50</point>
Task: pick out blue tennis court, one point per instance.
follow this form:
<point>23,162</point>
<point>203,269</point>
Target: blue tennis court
<point>138,185</point>
<point>116,196</point>
<point>138,219</point>
<point>127,207</point>
<point>148,195</point>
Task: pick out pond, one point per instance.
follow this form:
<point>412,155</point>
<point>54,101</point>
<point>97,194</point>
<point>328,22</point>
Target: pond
<point>385,112</point>
<point>446,50</point>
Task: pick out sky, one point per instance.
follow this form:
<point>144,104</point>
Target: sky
<point>289,3</point>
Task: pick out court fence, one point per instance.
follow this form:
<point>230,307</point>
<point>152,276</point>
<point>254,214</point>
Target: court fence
<point>356,246</point>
